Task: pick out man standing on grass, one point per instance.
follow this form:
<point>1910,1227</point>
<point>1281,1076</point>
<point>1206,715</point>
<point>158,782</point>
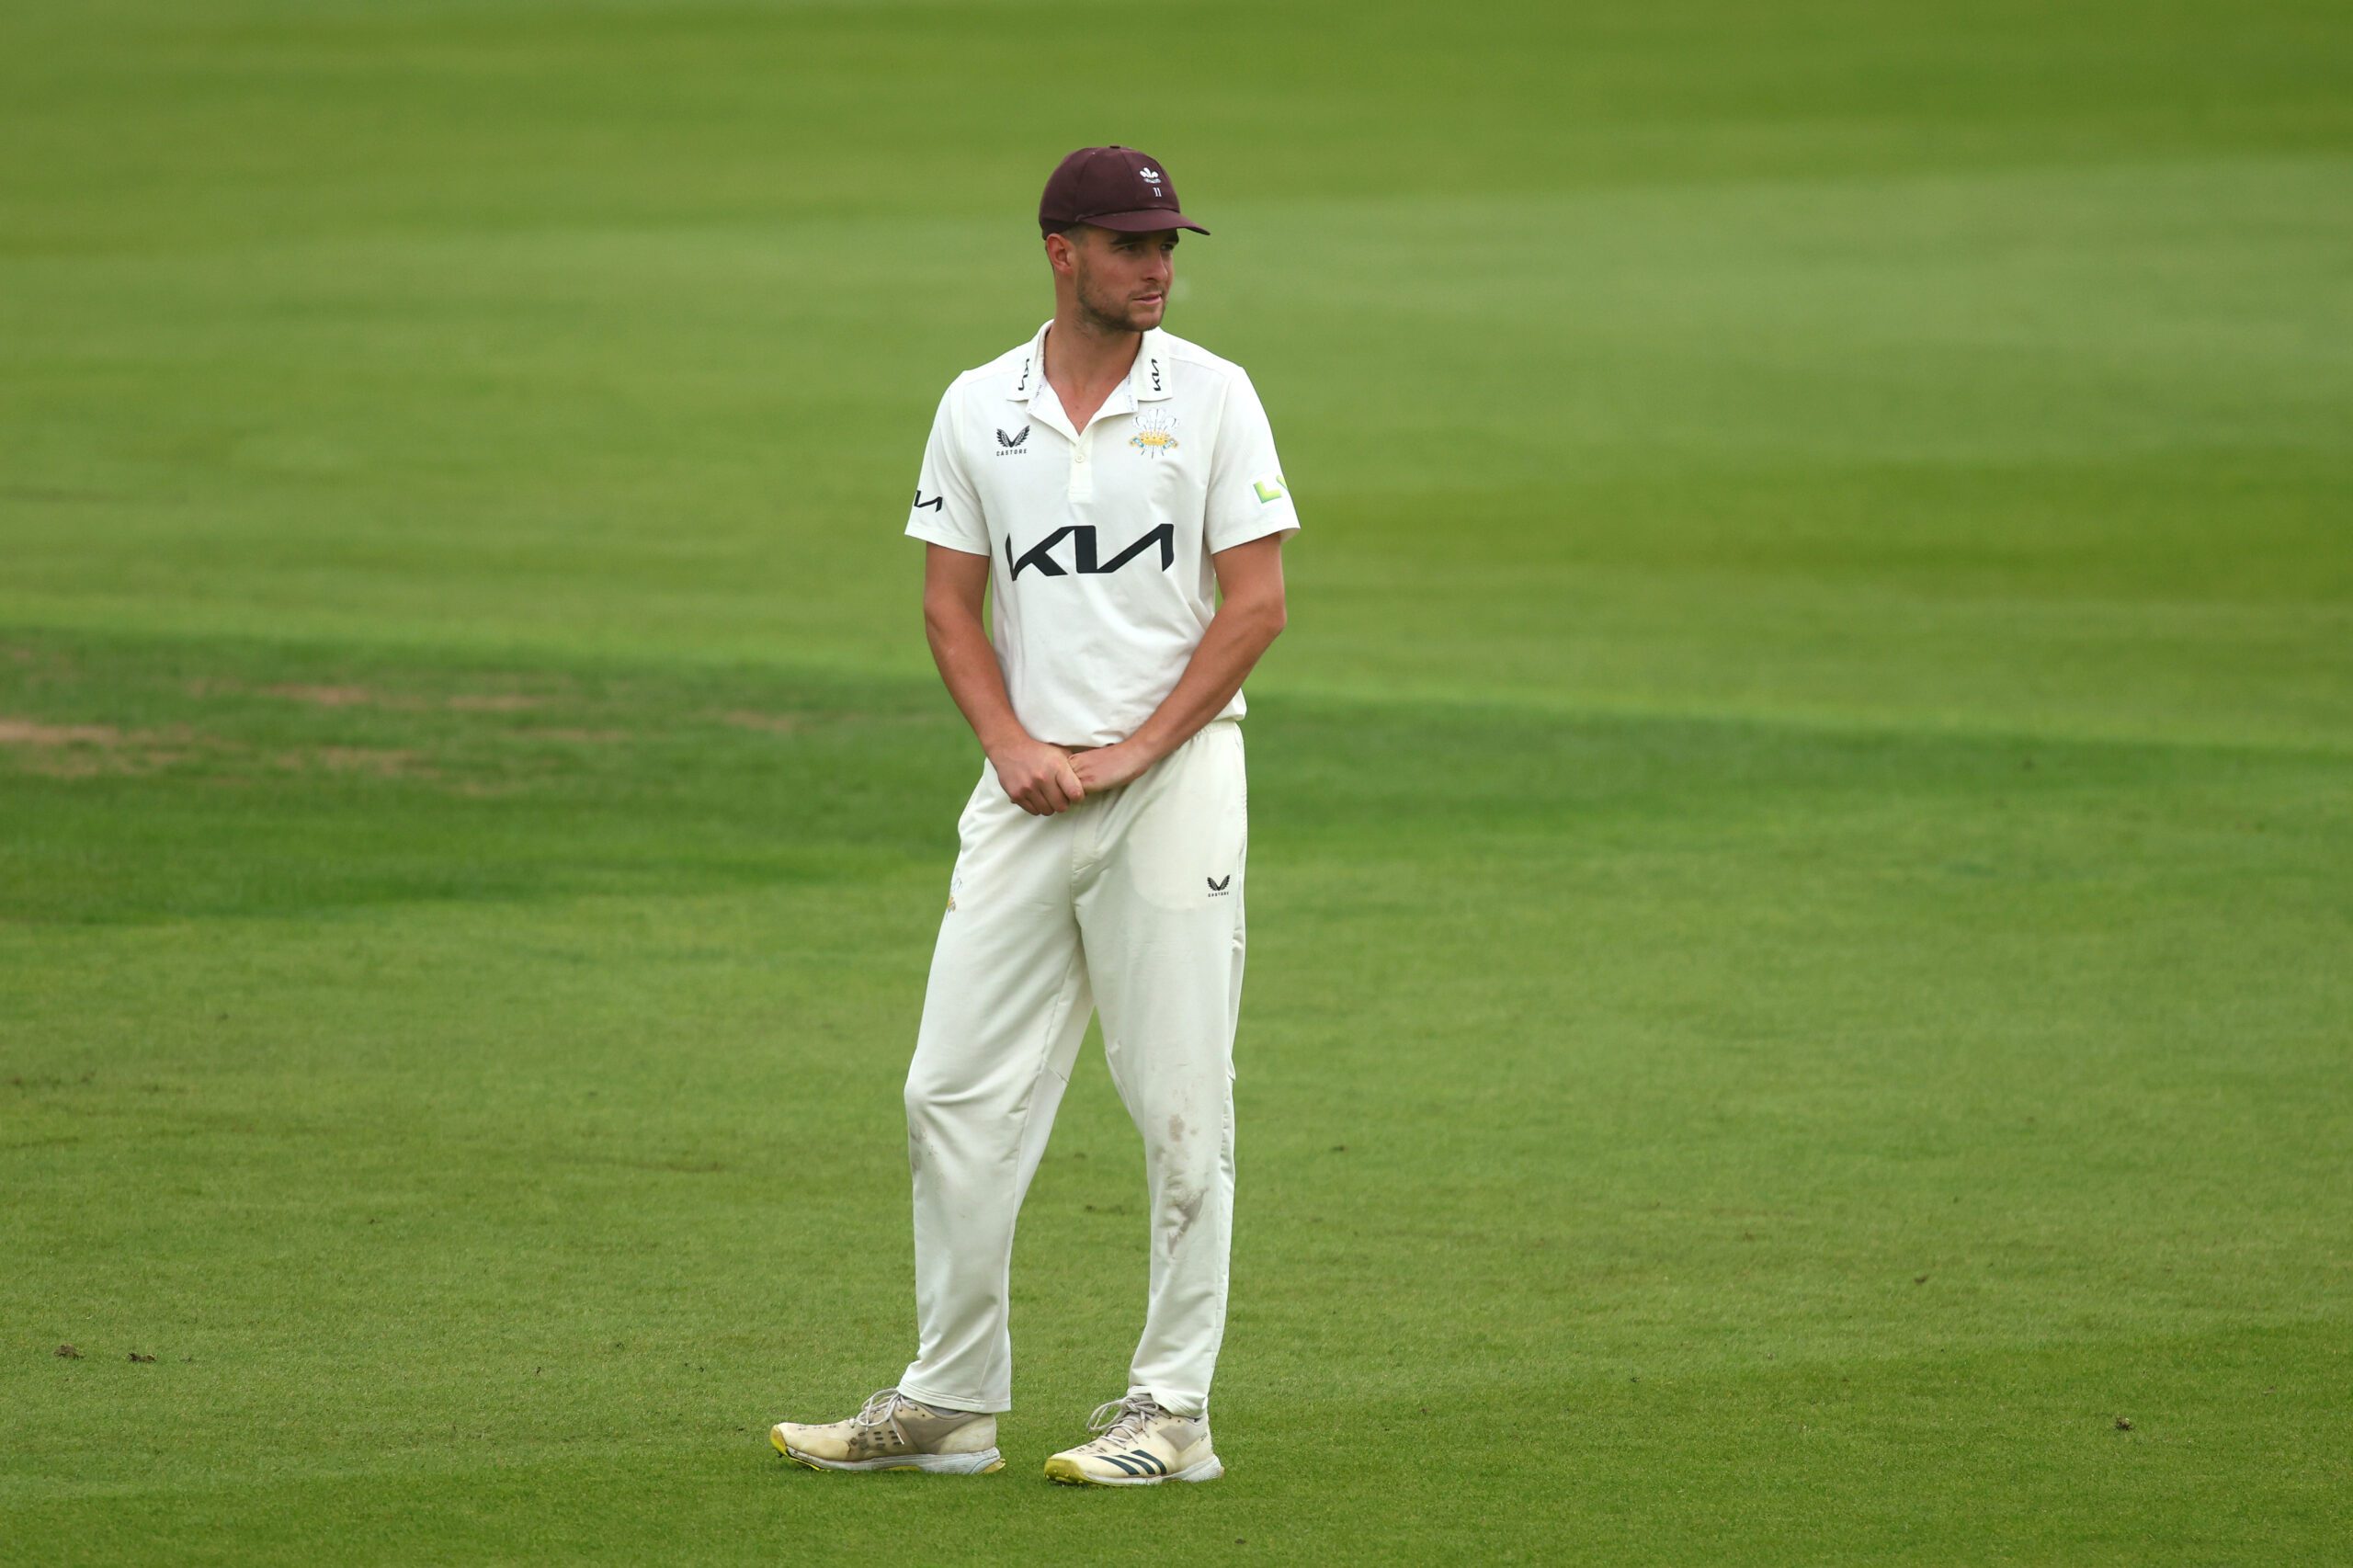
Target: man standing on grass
<point>1116,488</point>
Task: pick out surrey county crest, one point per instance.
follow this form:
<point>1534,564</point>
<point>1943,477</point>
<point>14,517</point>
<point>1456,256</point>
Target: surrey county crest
<point>1155,433</point>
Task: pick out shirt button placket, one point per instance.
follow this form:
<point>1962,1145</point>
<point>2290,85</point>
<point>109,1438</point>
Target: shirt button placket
<point>1082,472</point>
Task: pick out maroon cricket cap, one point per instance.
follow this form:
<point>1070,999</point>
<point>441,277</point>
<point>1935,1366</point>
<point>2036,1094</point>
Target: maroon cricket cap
<point>1112,187</point>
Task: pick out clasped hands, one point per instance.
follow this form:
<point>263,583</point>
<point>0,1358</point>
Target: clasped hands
<point>1044,779</point>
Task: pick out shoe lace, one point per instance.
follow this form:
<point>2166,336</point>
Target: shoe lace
<point>1123,1418</point>
<point>876,1410</point>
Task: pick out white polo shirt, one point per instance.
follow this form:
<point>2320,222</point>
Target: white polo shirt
<point>1100,539</point>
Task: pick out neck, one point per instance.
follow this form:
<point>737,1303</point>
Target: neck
<point>1081,349</point>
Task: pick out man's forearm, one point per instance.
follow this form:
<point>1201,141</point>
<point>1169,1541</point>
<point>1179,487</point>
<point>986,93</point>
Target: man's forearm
<point>959,647</point>
<point>1240,631</point>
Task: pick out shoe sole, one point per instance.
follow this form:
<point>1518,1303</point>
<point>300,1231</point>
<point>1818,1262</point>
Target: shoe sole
<point>982,1463</point>
<point>1066,1472</point>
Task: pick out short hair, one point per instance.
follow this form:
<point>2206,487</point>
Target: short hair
<point>1065,229</point>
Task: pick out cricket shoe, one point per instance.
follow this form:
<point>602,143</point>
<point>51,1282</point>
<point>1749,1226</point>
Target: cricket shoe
<point>1141,1445</point>
<point>893,1432</point>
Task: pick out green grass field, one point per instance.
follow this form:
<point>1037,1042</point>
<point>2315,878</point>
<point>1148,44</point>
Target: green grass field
<point>1799,1005</point>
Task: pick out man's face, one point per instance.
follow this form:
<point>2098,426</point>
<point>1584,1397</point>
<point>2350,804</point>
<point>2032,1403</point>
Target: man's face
<point>1122,280</point>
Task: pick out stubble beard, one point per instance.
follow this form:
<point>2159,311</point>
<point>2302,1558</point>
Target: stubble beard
<point>1108,315</point>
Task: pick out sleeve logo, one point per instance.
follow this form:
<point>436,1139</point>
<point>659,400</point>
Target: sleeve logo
<point>1270,489</point>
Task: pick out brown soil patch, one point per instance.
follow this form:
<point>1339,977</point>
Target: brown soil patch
<point>98,764</point>
<point>495,702</point>
<point>377,762</point>
<point>88,751</point>
<point>92,751</point>
<point>32,732</point>
<point>773,723</point>
<point>367,697</point>
<point>326,695</point>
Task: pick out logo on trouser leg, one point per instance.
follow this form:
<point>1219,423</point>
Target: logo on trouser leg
<point>1219,889</point>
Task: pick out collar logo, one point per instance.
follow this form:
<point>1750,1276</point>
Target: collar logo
<point>1155,433</point>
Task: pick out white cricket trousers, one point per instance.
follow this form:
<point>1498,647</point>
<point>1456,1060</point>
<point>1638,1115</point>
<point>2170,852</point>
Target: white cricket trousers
<point>1130,901</point>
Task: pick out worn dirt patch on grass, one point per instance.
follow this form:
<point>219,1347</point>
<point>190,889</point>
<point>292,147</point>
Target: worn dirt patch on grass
<point>32,732</point>
<point>367,696</point>
<point>493,702</point>
<point>773,723</point>
<point>379,762</point>
<point>314,694</point>
<point>335,695</point>
<point>90,751</point>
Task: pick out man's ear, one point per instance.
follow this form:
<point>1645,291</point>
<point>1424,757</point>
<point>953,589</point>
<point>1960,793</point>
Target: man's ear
<point>1074,241</point>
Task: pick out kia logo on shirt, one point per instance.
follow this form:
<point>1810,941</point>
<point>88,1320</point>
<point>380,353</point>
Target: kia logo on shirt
<point>1083,551</point>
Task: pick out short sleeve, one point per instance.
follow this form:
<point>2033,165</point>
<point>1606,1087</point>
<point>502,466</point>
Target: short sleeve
<point>1248,496</point>
<point>947,510</point>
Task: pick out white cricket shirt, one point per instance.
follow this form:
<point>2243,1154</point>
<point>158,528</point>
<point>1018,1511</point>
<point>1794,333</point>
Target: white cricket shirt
<point>1100,539</point>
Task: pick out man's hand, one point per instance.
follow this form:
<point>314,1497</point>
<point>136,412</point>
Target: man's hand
<point>1108,768</point>
<point>1037,776</point>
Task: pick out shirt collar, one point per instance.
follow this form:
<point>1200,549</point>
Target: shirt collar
<point>1151,378</point>
<point>1033,366</point>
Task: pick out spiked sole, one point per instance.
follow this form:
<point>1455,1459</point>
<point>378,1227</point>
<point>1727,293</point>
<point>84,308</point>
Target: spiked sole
<point>981,1463</point>
<point>1066,1472</point>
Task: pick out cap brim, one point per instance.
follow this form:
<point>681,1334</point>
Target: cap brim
<point>1151,220</point>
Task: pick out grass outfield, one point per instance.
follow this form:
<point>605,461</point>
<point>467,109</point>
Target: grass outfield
<point>1799,1009</point>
